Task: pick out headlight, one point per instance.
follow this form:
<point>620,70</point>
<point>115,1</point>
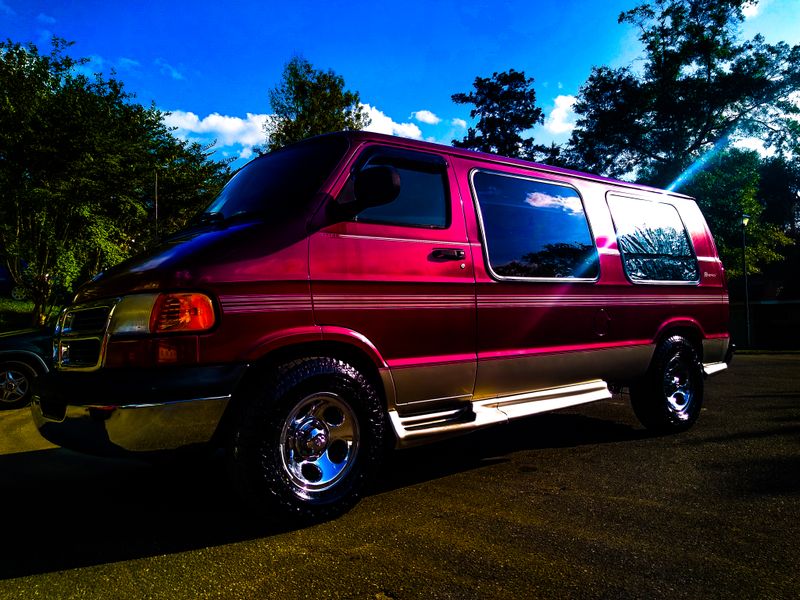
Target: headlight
<point>132,314</point>
<point>182,312</point>
<point>162,313</point>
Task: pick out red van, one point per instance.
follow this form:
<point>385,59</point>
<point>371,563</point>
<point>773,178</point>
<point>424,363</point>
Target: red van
<point>357,291</point>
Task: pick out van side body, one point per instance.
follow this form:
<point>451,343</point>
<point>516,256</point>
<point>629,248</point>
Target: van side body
<point>489,289</point>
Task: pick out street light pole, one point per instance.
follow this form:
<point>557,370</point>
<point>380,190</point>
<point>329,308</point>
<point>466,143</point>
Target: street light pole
<point>745,221</point>
<point>156,203</point>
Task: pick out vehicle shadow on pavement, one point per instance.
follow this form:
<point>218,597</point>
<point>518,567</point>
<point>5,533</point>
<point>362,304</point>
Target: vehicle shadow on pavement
<point>66,510</point>
<point>495,444</point>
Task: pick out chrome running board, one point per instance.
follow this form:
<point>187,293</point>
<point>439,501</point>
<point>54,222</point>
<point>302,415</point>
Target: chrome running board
<point>710,369</point>
<point>428,427</point>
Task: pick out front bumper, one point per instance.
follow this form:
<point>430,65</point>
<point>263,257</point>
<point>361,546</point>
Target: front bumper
<point>112,412</point>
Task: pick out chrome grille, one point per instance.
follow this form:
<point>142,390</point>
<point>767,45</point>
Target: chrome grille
<point>81,335</point>
<point>90,320</point>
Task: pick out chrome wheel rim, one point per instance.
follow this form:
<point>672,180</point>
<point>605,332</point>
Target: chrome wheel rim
<point>14,386</point>
<point>679,386</point>
<point>319,443</point>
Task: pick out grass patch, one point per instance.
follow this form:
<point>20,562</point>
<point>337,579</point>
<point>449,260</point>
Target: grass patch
<point>15,314</point>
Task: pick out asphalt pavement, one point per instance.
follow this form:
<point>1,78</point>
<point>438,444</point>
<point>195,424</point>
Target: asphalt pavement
<point>582,503</point>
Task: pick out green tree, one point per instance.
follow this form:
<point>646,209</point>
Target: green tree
<point>779,189</point>
<point>311,102</point>
<point>699,84</point>
<point>78,160</point>
<point>731,185</point>
<point>505,105</point>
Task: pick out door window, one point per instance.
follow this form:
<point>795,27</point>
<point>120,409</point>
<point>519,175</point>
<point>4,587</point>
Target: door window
<point>423,190</point>
<point>534,229</point>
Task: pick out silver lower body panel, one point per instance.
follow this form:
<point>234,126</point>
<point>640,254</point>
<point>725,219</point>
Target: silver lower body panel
<point>132,428</point>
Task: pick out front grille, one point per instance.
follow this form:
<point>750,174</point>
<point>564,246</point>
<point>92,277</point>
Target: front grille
<point>80,353</point>
<point>82,330</point>
<point>90,320</point>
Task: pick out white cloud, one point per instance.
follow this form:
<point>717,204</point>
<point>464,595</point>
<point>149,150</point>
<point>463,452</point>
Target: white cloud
<point>561,118</point>
<point>753,144</point>
<point>47,19</point>
<point>127,64</point>
<point>570,204</point>
<point>168,69</point>
<point>460,123</point>
<point>228,131</point>
<point>752,9</point>
<point>380,123</point>
<point>6,9</point>
<point>426,116</point>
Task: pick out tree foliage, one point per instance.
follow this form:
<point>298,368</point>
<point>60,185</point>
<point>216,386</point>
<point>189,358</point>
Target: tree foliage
<point>505,105</point>
<point>730,186</point>
<point>311,102</point>
<point>698,85</point>
<point>779,190</point>
<point>78,162</point>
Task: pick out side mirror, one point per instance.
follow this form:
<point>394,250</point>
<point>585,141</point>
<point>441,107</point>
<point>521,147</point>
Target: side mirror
<point>375,186</point>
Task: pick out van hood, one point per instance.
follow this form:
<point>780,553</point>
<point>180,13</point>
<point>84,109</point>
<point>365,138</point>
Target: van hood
<point>189,260</point>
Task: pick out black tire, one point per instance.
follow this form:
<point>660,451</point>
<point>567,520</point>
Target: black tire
<point>16,384</point>
<point>307,439</point>
<point>669,398</point>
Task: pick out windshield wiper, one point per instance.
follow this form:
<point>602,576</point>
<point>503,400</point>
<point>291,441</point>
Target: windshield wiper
<point>208,218</point>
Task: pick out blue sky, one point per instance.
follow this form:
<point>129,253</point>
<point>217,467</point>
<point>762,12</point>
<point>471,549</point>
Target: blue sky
<point>211,64</point>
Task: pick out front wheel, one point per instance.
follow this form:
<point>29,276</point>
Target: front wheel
<point>16,383</point>
<point>309,437</point>
<point>669,398</point>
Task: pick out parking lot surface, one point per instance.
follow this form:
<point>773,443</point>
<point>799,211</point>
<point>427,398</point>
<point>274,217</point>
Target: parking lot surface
<point>577,504</point>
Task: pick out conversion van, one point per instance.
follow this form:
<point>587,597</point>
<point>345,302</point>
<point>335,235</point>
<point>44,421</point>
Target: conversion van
<point>356,291</point>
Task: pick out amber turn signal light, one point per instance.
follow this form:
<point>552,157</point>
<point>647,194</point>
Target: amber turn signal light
<point>182,312</point>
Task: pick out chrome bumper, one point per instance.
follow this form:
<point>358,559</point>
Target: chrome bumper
<point>100,429</point>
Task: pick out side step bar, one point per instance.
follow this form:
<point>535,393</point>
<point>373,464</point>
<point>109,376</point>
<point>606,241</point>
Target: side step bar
<point>710,369</point>
<point>428,427</point>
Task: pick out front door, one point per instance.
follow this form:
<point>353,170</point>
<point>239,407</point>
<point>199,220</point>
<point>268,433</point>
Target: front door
<point>401,275</point>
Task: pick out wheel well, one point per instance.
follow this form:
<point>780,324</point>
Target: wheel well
<point>31,360</point>
<point>282,356</point>
<point>691,334</point>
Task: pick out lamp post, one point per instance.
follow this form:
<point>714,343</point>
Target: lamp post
<point>745,221</point>
<point>156,203</point>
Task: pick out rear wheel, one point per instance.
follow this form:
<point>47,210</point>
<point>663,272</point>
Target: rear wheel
<point>670,396</point>
<point>308,438</point>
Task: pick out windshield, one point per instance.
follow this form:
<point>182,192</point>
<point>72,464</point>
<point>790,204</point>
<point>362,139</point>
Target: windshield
<point>280,183</point>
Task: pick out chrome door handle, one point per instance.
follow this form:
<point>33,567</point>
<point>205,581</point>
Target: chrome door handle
<point>448,254</point>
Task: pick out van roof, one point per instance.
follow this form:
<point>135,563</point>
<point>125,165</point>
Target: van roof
<point>365,137</point>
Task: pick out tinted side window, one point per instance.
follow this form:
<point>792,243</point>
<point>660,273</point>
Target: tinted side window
<point>652,241</point>
<point>423,199</point>
<point>534,228</point>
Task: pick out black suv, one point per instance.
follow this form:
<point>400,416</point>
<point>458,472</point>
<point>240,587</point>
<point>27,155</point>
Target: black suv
<point>24,355</point>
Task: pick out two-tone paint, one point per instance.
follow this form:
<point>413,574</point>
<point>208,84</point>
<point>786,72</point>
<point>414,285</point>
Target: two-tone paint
<point>452,346</point>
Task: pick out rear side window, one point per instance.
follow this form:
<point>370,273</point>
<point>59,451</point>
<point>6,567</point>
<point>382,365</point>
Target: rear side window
<point>423,199</point>
<point>652,241</point>
<point>534,229</point>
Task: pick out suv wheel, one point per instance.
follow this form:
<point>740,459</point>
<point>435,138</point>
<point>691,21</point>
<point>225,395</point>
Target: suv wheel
<point>308,439</point>
<point>16,379</point>
<point>669,398</point>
